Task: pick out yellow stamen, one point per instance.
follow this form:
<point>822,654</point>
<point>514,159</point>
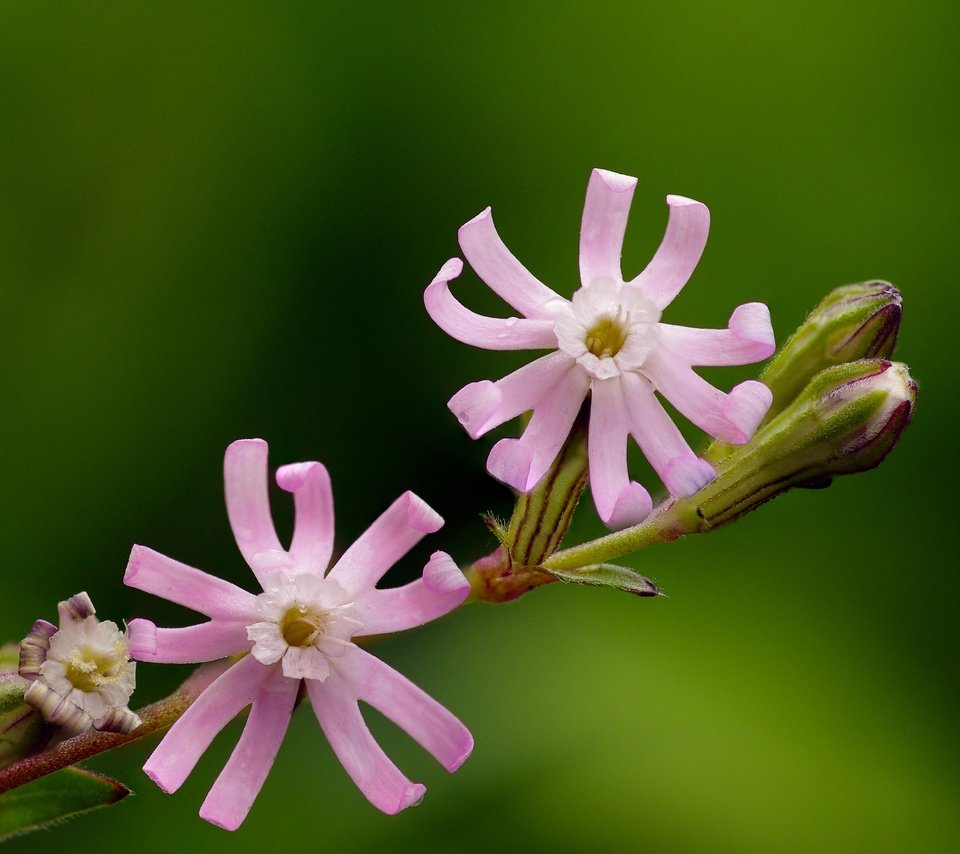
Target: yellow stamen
<point>300,626</point>
<point>606,337</point>
<point>88,670</point>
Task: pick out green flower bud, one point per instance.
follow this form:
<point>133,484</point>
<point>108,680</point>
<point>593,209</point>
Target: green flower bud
<point>21,727</point>
<point>852,322</point>
<point>538,525</point>
<point>846,420</point>
<point>542,516</point>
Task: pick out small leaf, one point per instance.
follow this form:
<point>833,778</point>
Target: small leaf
<point>608,575</point>
<point>51,799</point>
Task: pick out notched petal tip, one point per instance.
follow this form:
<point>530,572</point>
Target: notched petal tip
<point>449,271</point>
<point>294,476</point>
<point>686,474</point>
<point>474,405</point>
<point>744,407</point>
<point>485,214</point>
<point>158,778</point>
<point>77,608</point>
<point>118,720</point>
<point>682,201</point>
<point>632,507</point>
<point>248,445</point>
<point>442,575</point>
<point>463,757</point>
<point>615,181</point>
<point>42,630</point>
<point>56,709</point>
<point>437,294</point>
<point>411,797</point>
<point>751,322</point>
<point>133,564</point>
<point>213,815</point>
<point>420,515</point>
<point>34,648</point>
<point>142,639</point>
<point>510,462</point>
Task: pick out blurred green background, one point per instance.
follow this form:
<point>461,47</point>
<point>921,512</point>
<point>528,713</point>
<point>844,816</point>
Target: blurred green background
<point>217,220</point>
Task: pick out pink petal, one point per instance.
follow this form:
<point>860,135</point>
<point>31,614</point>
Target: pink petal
<point>181,748</point>
<point>483,405</point>
<point>389,538</point>
<point>235,790</point>
<point>248,506</point>
<point>604,222</point>
<point>141,639</point>
<point>187,645</point>
<point>619,501</point>
<point>443,576</point>
<point>503,273</point>
<point>681,248</point>
<point>521,463</point>
<point>749,338</point>
<point>442,588</point>
<point>490,333</point>
<point>729,417</point>
<point>381,782</point>
<point>162,576</point>
<point>312,542</point>
<point>747,404</point>
<point>683,473</point>
<point>428,723</point>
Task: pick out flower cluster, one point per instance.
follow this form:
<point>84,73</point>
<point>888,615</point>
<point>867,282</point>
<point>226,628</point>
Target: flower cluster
<point>300,630</point>
<point>608,342</point>
<point>831,404</point>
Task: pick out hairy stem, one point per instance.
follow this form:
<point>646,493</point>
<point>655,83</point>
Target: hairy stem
<point>156,717</point>
<point>672,519</point>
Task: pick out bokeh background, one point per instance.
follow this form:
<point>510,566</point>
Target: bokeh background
<point>217,220</point>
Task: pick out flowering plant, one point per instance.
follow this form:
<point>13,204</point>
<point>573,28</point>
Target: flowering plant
<point>828,403</point>
<point>607,342</point>
<point>299,631</point>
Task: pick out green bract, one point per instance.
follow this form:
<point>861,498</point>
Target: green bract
<point>21,728</point>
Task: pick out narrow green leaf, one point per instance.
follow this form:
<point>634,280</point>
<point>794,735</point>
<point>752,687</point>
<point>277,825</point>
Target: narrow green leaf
<point>608,575</point>
<point>54,798</point>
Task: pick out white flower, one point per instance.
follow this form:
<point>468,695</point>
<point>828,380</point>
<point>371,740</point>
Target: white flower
<point>81,675</point>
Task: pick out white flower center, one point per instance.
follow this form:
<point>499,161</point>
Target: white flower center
<point>90,669</point>
<point>87,662</point>
<point>301,626</point>
<point>608,328</point>
<point>607,336</point>
<point>306,622</point>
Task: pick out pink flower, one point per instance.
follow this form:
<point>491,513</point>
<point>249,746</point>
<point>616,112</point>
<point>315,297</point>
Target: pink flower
<point>608,342</point>
<point>300,628</point>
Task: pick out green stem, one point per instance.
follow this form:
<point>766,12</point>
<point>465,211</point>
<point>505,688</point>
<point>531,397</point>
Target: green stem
<point>157,716</point>
<point>539,523</point>
<point>542,517</point>
<point>494,579</point>
<point>672,519</point>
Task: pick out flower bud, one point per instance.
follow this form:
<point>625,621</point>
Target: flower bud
<point>542,516</point>
<point>539,522</point>
<point>21,727</point>
<point>852,322</point>
<point>846,420</point>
